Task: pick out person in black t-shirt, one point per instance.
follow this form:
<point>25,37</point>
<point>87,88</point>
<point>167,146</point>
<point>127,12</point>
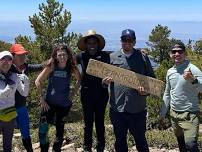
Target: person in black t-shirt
<point>94,96</point>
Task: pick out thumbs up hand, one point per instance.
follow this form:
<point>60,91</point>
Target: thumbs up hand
<point>188,75</point>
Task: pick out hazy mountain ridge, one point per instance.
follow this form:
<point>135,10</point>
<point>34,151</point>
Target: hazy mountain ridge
<point>111,30</point>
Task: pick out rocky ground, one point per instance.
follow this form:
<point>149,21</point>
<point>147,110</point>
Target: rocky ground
<point>71,147</point>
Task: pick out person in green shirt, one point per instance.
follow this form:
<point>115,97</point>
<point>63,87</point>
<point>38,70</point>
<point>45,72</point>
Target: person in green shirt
<point>183,84</point>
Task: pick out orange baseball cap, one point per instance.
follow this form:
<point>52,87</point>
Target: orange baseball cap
<point>18,49</point>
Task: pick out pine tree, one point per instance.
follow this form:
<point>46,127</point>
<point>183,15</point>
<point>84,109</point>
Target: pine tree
<point>198,46</point>
<point>159,42</point>
<point>50,25</point>
<point>189,44</point>
<point>4,46</point>
<point>33,47</point>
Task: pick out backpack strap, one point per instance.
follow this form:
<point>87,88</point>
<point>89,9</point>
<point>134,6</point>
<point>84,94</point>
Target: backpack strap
<point>147,64</point>
<point>143,54</point>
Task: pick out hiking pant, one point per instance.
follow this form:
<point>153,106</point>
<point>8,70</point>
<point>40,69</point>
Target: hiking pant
<point>7,129</point>
<point>55,115</point>
<point>186,128</point>
<point>135,123</point>
<point>94,104</point>
<point>22,120</point>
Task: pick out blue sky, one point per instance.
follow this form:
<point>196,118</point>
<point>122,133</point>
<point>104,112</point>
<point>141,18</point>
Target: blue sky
<point>172,10</point>
<point>14,15</point>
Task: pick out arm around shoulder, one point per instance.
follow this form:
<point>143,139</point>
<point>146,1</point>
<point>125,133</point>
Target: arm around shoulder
<point>75,89</point>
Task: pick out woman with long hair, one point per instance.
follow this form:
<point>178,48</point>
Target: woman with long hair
<point>57,102</point>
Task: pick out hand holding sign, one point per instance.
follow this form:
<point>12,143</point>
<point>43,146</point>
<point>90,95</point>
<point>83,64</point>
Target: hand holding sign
<point>107,80</point>
<point>125,77</point>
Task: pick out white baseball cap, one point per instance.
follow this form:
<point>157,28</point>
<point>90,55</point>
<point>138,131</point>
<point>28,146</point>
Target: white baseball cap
<point>5,53</point>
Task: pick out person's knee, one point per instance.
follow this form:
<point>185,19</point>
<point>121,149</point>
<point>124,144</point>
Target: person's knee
<point>192,146</point>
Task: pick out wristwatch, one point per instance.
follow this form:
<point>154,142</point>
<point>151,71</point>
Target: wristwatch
<point>195,81</point>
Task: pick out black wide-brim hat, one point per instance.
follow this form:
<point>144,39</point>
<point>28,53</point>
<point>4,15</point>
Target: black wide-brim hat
<point>82,41</point>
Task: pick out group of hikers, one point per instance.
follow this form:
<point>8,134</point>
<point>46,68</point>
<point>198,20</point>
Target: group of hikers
<point>127,110</point>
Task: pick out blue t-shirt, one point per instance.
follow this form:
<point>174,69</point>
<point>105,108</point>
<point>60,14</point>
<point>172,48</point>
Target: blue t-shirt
<point>58,87</point>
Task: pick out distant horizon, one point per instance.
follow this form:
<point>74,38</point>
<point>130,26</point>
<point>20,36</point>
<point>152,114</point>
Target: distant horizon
<point>109,18</point>
<point>111,30</point>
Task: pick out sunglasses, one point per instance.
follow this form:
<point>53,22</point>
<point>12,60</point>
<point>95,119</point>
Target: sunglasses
<point>127,40</point>
<point>178,51</point>
<point>6,58</point>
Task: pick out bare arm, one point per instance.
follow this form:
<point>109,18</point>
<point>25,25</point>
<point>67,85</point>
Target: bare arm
<point>39,85</point>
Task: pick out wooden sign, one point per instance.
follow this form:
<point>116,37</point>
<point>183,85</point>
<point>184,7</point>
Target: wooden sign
<point>125,77</point>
